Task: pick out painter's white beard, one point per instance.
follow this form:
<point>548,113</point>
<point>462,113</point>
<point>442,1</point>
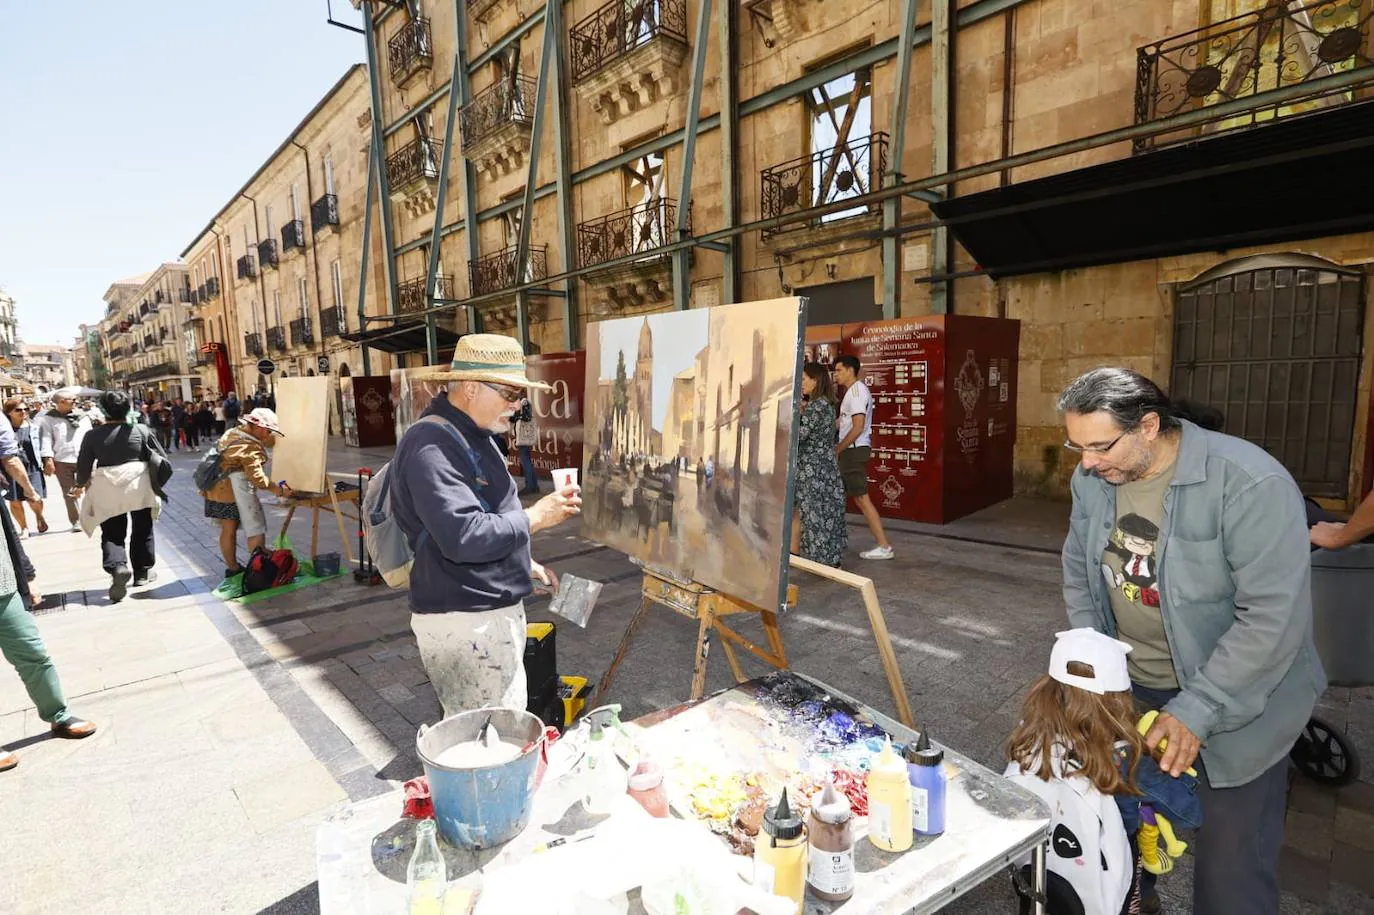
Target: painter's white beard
<point>502,424</point>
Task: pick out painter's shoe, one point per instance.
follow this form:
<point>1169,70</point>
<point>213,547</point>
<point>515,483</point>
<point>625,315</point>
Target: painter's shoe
<point>119,583</point>
<point>8,761</point>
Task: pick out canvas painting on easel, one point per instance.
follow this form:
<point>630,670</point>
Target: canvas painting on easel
<point>299,456</point>
<point>689,419</point>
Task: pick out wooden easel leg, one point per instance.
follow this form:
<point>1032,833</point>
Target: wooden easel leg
<point>605,685</point>
<point>703,653</point>
<point>290,513</point>
<point>731,657</point>
<point>885,652</point>
<point>774,634</point>
<point>314,532</point>
<point>339,519</point>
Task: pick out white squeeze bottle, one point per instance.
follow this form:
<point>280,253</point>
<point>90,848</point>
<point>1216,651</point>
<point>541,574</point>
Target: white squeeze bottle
<point>604,779</point>
<point>889,802</point>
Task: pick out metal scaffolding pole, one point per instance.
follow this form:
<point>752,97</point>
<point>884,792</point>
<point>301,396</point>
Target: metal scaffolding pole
<point>378,149</point>
<point>941,141</point>
<point>469,173</point>
<point>367,249</point>
<point>682,265</point>
<point>892,176</point>
<point>729,139</point>
<point>435,243</point>
<point>562,139</point>
<point>522,247</point>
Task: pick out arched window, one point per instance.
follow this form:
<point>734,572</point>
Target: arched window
<point>1274,342</point>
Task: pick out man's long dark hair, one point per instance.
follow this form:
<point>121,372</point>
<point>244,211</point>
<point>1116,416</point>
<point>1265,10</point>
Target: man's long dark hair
<point>1128,397</point>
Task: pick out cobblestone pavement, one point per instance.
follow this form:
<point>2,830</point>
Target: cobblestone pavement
<point>972,608</point>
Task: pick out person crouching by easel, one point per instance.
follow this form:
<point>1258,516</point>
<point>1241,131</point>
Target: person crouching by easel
<point>458,506</point>
<point>233,501</point>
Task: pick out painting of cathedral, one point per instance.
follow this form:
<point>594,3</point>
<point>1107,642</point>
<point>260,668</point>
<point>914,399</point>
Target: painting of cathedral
<point>689,419</point>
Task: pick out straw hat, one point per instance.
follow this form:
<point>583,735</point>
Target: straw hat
<point>487,357</point>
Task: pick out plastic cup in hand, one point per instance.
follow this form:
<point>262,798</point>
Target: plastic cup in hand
<point>563,478</point>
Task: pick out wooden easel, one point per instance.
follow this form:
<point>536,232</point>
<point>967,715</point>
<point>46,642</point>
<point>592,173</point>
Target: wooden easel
<point>329,501</point>
<point>708,607</point>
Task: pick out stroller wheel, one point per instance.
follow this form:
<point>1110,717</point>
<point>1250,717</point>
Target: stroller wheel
<point>1323,755</point>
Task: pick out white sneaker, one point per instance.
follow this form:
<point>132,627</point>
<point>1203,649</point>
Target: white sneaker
<point>878,552</point>
<point>76,528</point>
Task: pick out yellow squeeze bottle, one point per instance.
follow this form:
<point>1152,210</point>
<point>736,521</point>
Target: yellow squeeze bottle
<point>780,853</point>
<point>889,802</point>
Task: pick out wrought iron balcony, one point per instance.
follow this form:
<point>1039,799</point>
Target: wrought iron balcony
<point>147,308</point>
<point>506,102</point>
<point>620,27</point>
<point>276,337</point>
<point>160,297</point>
<point>211,289</point>
<point>149,341</point>
<point>829,176</point>
<point>416,161</point>
<point>185,293</point>
<point>1277,46</point>
<point>497,271</point>
<point>252,344</point>
<point>410,295</point>
<point>293,235</point>
<point>332,322</point>
<point>267,253</point>
<point>410,50</point>
<point>247,267</point>
<point>162,335</point>
<point>199,295</point>
<point>301,332</point>
<point>324,213</point>
<point>641,228</point>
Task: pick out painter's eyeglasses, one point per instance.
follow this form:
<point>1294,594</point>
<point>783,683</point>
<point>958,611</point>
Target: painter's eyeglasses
<point>508,394</point>
<point>1096,449</point>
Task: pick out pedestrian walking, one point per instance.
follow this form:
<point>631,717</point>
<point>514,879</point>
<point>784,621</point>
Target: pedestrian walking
<point>855,448</point>
<point>28,456</point>
<point>230,412</point>
<point>161,416</point>
<point>819,530</point>
<point>233,501</point>
<point>205,421</point>
<point>455,500</point>
<point>121,497</point>
<point>526,437</point>
<point>60,432</point>
<point>1191,546</point>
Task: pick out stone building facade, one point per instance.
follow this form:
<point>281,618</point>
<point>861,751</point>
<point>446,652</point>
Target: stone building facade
<point>145,326</point>
<point>275,273</point>
<point>1097,275</point>
<point>48,366</point>
<point>11,349</point>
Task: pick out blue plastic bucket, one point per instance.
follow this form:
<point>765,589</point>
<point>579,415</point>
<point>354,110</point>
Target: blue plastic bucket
<point>482,807</point>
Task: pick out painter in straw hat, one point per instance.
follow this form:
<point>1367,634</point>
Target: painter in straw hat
<point>492,359</point>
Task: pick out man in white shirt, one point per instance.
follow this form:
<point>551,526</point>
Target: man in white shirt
<point>854,448</point>
<point>60,431</point>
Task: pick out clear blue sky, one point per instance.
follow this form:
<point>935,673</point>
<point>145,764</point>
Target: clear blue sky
<point>124,127</point>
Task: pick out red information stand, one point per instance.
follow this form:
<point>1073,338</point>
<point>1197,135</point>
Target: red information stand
<point>944,413</point>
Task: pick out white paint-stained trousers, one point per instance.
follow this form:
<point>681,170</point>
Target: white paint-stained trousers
<point>474,659</point>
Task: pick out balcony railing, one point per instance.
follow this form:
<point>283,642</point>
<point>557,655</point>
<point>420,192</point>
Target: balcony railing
<point>410,49</point>
<point>252,344</point>
<point>414,161</point>
<point>410,295</point>
<point>829,176</point>
<point>301,332</point>
<point>1277,46</point>
<point>147,308</point>
<point>149,341</point>
<point>199,295</point>
<point>332,322</point>
<point>324,212</point>
<point>184,294</point>
<point>160,297</point>
<point>293,235</point>
<point>497,271</point>
<point>211,288</point>
<point>247,267</point>
<point>505,102</point>
<point>641,228</point>
<point>267,253</point>
<point>620,27</point>
<point>276,337</point>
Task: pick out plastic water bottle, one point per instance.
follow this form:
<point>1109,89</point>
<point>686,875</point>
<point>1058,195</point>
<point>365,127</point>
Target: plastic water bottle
<point>427,874</point>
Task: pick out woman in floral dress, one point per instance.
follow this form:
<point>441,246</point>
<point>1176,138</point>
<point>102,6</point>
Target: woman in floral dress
<point>819,532</point>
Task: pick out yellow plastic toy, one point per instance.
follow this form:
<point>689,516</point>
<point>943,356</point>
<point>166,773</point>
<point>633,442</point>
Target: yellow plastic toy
<point>1152,857</point>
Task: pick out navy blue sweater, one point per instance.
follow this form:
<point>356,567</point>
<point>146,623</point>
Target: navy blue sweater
<point>473,557</point>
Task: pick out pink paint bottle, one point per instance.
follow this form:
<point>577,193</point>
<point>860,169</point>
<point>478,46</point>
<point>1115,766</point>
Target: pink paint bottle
<point>646,787</point>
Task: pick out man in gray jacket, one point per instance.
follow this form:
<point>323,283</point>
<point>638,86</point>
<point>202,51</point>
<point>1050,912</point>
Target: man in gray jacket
<point>1191,546</point>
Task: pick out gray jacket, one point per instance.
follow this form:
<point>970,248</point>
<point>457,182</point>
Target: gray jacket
<point>1235,595</point>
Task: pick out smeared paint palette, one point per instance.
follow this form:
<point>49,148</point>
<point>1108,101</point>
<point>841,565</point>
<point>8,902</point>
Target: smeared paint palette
<point>727,757</point>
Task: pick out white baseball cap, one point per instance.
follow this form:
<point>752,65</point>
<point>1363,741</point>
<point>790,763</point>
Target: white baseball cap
<point>265,418</point>
<point>1106,655</point>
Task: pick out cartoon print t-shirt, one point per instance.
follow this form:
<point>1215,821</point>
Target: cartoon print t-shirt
<point>1130,567</point>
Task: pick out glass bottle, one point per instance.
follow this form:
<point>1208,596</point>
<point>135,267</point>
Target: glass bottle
<point>427,874</point>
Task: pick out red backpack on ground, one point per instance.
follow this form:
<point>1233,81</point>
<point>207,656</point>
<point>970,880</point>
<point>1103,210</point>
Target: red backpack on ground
<point>269,570</point>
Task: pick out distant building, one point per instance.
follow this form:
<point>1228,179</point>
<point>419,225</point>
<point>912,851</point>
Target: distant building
<point>49,366</point>
<point>11,357</point>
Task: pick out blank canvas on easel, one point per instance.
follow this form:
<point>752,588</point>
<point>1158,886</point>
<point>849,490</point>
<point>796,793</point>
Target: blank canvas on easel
<point>299,456</point>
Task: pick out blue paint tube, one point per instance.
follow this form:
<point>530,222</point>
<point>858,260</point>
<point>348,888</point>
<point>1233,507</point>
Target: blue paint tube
<point>926,771</point>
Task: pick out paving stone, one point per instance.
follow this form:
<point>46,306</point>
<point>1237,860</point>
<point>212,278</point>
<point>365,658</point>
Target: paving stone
<point>395,693</point>
<point>1353,866</point>
<point>1357,796</point>
<point>1308,834</point>
<point>288,794</point>
<point>1309,797</point>
<point>1355,828</point>
<point>1305,876</point>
